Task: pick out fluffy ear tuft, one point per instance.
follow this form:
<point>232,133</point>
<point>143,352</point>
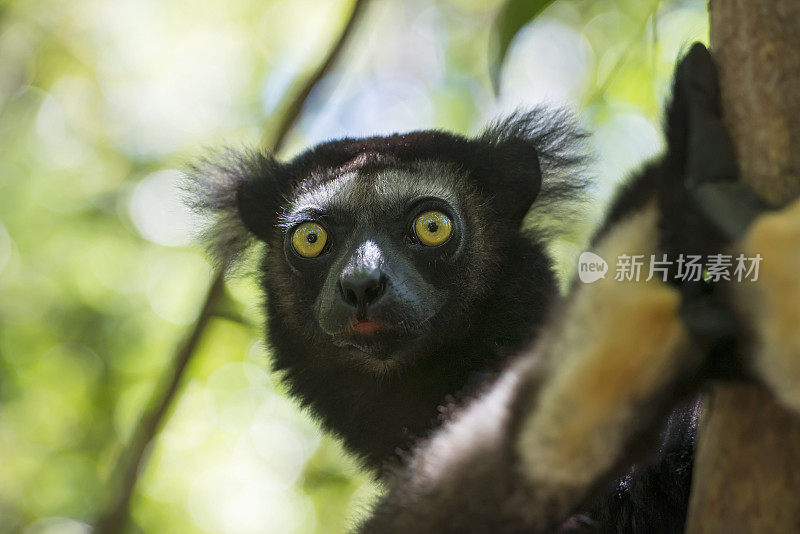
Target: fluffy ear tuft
<point>237,194</point>
<point>539,154</point>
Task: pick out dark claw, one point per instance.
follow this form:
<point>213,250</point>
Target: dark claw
<point>709,159</point>
<point>709,153</point>
<point>696,78</point>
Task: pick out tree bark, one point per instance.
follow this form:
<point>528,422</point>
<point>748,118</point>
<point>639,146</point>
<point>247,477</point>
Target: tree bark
<point>747,464</point>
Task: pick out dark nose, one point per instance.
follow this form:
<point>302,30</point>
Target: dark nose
<point>362,288</point>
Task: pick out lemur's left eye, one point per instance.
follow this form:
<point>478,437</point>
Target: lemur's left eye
<point>433,228</point>
<point>309,239</point>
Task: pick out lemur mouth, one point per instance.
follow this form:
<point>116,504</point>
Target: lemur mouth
<point>366,327</point>
<point>376,339</point>
<point>367,331</point>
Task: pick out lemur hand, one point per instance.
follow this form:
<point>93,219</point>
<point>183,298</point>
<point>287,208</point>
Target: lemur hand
<point>768,307</point>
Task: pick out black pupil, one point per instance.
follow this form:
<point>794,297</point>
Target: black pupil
<point>312,237</point>
<point>432,227</point>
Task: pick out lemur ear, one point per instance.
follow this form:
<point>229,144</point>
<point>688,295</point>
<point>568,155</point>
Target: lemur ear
<point>509,170</point>
<point>239,193</point>
<point>529,155</point>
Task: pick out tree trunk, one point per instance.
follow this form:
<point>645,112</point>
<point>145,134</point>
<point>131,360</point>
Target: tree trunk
<point>747,464</point>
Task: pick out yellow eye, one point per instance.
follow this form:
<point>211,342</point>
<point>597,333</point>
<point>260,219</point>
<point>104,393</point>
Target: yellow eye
<point>433,228</point>
<point>309,239</point>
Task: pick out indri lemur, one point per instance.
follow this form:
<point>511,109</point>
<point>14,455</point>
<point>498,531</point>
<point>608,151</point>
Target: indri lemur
<point>401,292</point>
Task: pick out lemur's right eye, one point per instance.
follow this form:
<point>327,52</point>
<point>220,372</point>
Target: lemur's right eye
<point>309,239</point>
<point>433,228</point>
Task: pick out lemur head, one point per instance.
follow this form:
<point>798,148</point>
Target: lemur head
<point>381,248</point>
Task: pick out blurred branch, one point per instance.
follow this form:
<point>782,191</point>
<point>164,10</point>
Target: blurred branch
<point>298,102</point>
<point>114,518</point>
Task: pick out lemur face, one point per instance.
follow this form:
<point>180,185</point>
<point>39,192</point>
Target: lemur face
<point>379,249</point>
<point>382,256</point>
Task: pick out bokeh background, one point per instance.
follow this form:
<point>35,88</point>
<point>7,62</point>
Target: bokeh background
<point>103,101</point>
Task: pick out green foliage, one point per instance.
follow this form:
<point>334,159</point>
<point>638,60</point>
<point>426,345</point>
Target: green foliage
<point>101,102</point>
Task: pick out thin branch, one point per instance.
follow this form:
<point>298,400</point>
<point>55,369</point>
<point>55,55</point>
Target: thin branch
<point>293,112</point>
<point>133,459</point>
<point>115,516</point>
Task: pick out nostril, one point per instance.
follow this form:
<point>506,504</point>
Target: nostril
<point>347,293</point>
<point>351,297</point>
<point>375,290</point>
<point>371,293</point>
<point>362,289</point>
